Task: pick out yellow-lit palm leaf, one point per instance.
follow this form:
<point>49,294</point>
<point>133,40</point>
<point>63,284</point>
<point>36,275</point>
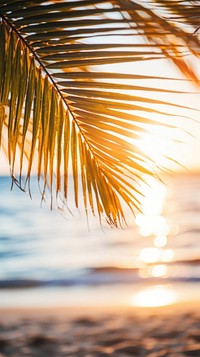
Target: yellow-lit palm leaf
<point>59,105</point>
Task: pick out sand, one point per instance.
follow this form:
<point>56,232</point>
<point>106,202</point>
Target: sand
<point>158,332</point>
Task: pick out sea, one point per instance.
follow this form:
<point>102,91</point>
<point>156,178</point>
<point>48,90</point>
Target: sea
<point>59,258</point>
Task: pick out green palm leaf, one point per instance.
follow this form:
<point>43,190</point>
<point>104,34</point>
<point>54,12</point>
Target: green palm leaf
<point>58,105</point>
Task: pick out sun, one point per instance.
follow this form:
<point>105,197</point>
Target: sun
<point>160,146</point>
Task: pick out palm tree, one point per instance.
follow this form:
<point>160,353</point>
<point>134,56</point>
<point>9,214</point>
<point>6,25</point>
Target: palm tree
<point>60,105</point>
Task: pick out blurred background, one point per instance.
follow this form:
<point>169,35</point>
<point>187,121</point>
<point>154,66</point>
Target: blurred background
<point>57,258</point>
<point>53,258</point>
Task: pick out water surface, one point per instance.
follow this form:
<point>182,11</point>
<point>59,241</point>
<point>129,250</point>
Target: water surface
<point>43,251</point>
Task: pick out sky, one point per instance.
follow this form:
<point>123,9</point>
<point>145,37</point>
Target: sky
<point>182,144</point>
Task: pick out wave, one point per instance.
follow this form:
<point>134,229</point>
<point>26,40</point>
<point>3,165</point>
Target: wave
<point>92,277</point>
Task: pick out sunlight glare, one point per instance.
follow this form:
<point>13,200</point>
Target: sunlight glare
<point>150,255</point>
<point>160,241</point>
<point>154,198</point>
<point>155,296</point>
<point>159,145</point>
<point>167,255</point>
<point>159,270</point>
<point>152,224</point>
<point>153,255</point>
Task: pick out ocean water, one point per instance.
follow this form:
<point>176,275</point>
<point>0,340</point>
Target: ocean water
<point>53,253</point>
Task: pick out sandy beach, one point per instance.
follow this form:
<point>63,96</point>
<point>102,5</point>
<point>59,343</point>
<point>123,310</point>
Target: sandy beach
<point>84,332</point>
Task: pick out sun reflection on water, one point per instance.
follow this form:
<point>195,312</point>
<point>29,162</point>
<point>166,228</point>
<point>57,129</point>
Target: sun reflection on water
<point>152,223</point>
<point>154,296</point>
<point>160,241</point>
<point>158,271</point>
<point>150,255</point>
<point>153,259</point>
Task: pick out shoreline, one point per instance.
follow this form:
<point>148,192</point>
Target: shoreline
<point>192,306</point>
<point>125,296</point>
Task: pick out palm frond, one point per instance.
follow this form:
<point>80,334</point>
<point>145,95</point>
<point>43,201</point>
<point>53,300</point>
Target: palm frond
<point>60,105</point>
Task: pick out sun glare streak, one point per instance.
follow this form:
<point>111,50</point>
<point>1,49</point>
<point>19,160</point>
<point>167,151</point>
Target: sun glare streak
<point>155,296</point>
<point>153,255</point>
<point>158,271</point>
<point>162,145</point>
<point>154,198</point>
<point>160,241</point>
<point>152,224</point>
<point>150,255</point>
<point>168,255</point>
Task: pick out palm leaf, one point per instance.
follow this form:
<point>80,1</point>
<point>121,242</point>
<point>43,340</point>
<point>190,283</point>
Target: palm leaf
<point>58,105</point>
